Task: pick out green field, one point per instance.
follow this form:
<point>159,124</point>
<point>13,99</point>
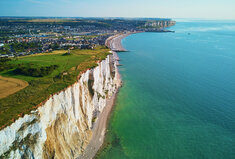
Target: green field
<point>40,88</point>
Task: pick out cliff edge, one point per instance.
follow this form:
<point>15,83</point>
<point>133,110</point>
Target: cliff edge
<point>63,126</point>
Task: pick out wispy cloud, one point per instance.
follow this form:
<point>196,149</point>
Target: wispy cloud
<point>37,1</point>
<point>47,2</point>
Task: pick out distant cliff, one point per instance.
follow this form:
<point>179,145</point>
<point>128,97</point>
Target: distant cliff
<point>161,24</point>
<point>168,23</point>
<point>62,126</point>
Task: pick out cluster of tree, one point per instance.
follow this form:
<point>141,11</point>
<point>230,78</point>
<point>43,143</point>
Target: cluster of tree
<point>4,59</point>
<point>35,71</point>
<point>54,46</point>
<point>4,65</point>
<point>21,47</point>
<point>5,49</point>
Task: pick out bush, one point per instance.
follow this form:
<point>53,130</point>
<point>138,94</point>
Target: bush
<point>4,65</point>
<point>34,71</point>
<point>4,59</point>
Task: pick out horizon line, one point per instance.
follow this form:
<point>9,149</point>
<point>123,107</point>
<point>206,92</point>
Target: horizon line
<point>17,16</point>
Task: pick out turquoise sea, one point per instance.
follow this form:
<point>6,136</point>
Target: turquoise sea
<point>178,97</point>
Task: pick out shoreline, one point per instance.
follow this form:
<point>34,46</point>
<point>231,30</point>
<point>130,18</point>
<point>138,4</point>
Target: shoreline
<point>100,128</point>
<point>115,42</point>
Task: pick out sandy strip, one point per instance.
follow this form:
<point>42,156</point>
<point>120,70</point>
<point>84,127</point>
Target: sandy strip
<point>99,131</point>
<point>115,42</point>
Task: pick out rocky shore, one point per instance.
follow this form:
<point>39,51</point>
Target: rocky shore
<point>99,129</point>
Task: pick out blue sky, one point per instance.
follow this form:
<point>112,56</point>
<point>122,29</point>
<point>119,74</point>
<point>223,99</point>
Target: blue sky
<point>208,9</point>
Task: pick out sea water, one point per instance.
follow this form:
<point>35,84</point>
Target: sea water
<point>178,97</point>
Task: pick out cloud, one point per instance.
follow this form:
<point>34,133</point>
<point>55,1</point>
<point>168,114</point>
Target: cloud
<point>37,2</point>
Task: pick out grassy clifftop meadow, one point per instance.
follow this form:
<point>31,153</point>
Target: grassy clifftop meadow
<point>46,74</point>
<point>32,79</point>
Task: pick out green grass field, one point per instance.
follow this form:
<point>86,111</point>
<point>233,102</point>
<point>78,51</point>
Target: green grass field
<point>40,88</point>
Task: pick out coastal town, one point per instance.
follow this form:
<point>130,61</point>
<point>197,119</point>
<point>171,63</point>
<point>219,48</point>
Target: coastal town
<point>46,62</point>
<point>124,79</point>
<point>27,36</point>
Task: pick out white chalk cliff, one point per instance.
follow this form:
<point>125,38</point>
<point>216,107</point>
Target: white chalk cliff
<point>62,126</point>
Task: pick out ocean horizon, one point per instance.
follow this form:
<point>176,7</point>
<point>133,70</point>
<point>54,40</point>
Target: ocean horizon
<point>178,97</point>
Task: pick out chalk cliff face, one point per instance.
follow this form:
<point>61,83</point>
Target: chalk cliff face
<point>161,24</point>
<point>62,126</point>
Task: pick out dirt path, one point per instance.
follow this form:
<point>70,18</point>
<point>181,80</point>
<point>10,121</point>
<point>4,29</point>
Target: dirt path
<point>9,86</point>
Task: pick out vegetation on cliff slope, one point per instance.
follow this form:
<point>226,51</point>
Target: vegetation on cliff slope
<point>54,73</point>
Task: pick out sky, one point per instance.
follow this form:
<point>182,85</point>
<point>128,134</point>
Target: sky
<point>206,9</point>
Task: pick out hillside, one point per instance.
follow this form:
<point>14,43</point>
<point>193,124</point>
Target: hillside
<point>46,75</point>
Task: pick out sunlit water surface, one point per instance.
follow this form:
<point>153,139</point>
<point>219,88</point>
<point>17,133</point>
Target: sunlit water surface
<point>178,97</point>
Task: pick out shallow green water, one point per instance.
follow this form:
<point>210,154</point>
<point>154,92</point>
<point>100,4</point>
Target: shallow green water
<point>178,97</point>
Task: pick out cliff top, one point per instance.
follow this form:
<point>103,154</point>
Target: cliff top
<point>46,74</point>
